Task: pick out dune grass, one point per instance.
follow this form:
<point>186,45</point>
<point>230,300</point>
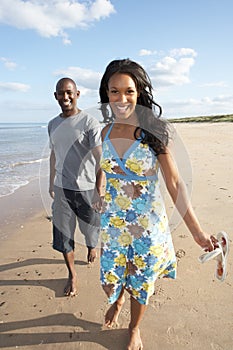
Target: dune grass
<point>204,119</point>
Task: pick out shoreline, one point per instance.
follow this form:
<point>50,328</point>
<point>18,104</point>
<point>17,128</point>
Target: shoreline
<point>22,205</point>
<point>192,312</point>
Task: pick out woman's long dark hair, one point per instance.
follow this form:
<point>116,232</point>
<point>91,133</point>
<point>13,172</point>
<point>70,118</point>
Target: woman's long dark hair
<point>153,130</point>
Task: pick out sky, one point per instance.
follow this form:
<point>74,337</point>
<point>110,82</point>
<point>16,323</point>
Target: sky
<point>185,47</point>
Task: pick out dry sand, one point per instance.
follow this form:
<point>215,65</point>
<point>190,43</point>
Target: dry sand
<point>193,312</point>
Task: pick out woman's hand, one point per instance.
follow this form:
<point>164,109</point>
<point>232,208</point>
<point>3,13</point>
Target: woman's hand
<point>206,241</point>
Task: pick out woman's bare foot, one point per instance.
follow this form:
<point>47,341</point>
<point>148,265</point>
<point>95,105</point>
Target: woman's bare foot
<point>111,316</point>
<point>91,255</point>
<point>71,287</point>
<point>135,342</point>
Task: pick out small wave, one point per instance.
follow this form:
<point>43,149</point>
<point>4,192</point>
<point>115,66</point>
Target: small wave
<point>7,190</point>
<point>7,126</point>
<point>29,162</point>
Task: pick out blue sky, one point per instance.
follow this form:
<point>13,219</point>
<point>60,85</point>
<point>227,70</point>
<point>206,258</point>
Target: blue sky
<point>185,46</point>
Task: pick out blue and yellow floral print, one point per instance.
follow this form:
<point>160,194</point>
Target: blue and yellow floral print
<point>136,242</point>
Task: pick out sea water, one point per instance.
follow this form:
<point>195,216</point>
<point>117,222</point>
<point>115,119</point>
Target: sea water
<point>24,154</point>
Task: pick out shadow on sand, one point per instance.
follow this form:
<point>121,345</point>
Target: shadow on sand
<point>11,332</point>
<point>57,285</point>
<point>92,332</point>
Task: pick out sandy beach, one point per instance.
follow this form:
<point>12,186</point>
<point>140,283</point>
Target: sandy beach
<point>195,311</point>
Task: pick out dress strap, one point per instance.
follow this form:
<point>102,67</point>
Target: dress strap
<point>108,132</point>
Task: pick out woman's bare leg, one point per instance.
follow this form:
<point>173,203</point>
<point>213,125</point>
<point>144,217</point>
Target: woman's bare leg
<point>137,312</point>
<point>113,312</point>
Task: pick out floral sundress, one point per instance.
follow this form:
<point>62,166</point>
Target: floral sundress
<point>136,244</point>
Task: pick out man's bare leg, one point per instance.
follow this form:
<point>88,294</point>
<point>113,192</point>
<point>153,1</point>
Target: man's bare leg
<point>71,286</point>
<point>137,312</point>
<point>113,312</point>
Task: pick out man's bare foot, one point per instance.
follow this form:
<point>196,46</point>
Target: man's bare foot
<point>111,316</point>
<point>91,255</point>
<point>135,342</point>
<point>71,287</point>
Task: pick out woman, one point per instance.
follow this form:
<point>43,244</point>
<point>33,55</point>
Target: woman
<point>137,246</point>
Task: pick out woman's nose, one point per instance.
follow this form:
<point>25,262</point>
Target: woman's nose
<point>122,98</point>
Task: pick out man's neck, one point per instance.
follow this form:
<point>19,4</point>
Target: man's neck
<point>70,113</point>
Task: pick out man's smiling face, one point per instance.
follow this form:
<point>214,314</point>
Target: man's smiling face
<point>67,94</point>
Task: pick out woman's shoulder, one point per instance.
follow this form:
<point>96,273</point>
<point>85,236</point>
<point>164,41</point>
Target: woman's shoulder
<point>105,130</point>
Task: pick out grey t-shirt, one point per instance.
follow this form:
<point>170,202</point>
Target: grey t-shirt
<point>73,140</point>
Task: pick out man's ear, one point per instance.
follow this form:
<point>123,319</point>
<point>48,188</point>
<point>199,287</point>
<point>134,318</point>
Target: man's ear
<point>55,95</point>
<point>78,93</point>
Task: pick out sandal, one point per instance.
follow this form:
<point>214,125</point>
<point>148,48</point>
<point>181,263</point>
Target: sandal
<point>220,254</point>
<point>223,242</point>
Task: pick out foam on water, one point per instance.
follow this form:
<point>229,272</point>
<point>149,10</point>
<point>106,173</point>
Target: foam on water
<point>24,154</point>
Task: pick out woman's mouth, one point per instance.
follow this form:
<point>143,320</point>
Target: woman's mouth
<point>122,109</point>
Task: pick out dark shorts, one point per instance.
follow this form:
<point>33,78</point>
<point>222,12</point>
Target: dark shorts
<point>68,208</point>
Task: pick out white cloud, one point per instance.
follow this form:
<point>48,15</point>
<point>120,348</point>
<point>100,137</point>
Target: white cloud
<point>145,52</point>
<point>216,101</point>
<point>14,87</point>
<point>173,69</point>
<point>8,63</point>
<point>83,77</point>
<point>167,72</point>
<point>54,17</point>
<point>101,8</point>
<point>224,99</point>
<point>170,71</point>
<point>218,105</point>
<point>183,52</point>
<point>215,84</point>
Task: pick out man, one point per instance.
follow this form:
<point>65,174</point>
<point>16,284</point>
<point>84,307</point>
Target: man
<point>75,179</point>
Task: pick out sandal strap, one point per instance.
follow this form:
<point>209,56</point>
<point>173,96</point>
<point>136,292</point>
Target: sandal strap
<point>214,254</point>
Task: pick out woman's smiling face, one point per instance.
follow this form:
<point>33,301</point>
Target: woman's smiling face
<point>122,93</point>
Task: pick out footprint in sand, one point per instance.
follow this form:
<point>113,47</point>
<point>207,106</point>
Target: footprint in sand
<point>216,347</point>
<point>175,336</point>
<point>180,253</point>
